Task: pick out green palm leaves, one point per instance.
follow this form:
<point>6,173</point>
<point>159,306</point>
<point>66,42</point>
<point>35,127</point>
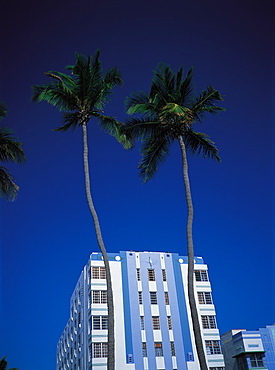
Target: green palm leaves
<point>10,150</point>
<point>83,95</point>
<point>169,112</point>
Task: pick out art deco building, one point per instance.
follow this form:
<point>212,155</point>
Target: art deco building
<point>244,350</point>
<point>153,328</point>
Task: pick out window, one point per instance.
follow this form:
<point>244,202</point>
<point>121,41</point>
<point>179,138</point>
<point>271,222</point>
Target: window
<point>99,296</point>
<point>79,319</point>
<point>201,275</point>
<point>104,322</point>
<point>142,323</point>
<point>213,347</point>
<point>155,322</point>
<point>140,297</point>
<point>138,274</point>
<point>151,275</point>
<point>172,346</point>
<point>144,349</point>
<point>153,298</point>
<point>166,297</point>
<point>256,360</point>
<point>99,322</point>
<point>98,350</point>
<point>242,362</point>
<point>169,322</point>
<point>158,349</point>
<point>163,275</point>
<point>103,296</point>
<point>216,368</point>
<point>96,296</point>
<point>209,322</point>
<point>104,349</point>
<point>98,273</point>
<point>205,298</point>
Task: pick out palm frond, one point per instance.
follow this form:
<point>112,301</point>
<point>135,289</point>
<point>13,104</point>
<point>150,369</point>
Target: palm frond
<point>186,89</point>
<point>94,66</point>
<point>62,77</point>
<point>139,129</point>
<point>10,148</point>
<point>4,364</point>
<point>164,78</point>
<point>139,103</point>
<point>3,110</point>
<point>176,117</point>
<point>69,121</point>
<point>154,150</point>
<point>56,94</point>
<point>162,85</point>
<point>199,143</point>
<point>168,80</point>
<point>8,188</point>
<point>179,77</point>
<point>116,129</point>
<point>86,77</point>
<point>113,77</point>
<point>205,102</point>
<point>173,109</point>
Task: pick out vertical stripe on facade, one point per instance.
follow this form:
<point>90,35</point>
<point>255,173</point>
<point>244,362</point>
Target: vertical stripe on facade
<point>126,305</point>
<point>134,310</point>
<point>144,265</point>
<point>184,329</point>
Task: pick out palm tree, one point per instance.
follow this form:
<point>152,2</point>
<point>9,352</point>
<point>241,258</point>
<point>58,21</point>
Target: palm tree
<point>81,97</point>
<point>4,364</point>
<point>10,150</point>
<point>168,113</point>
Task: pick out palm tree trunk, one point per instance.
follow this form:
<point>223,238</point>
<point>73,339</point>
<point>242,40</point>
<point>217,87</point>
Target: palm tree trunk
<point>190,247</point>
<point>110,302</point>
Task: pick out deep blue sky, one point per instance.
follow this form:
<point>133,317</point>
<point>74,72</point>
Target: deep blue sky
<point>47,233</point>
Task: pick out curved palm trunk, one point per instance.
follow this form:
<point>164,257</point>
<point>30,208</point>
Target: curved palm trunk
<point>110,303</point>
<point>190,247</point>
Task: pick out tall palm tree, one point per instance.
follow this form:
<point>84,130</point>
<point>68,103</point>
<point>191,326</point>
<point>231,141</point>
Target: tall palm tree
<point>82,96</point>
<point>167,114</point>
<point>10,150</point>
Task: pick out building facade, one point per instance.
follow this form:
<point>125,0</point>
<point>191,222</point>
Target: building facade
<point>153,328</point>
<point>244,350</point>
<point>268,339</point>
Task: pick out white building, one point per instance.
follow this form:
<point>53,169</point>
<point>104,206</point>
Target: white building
<point>153,328</point>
